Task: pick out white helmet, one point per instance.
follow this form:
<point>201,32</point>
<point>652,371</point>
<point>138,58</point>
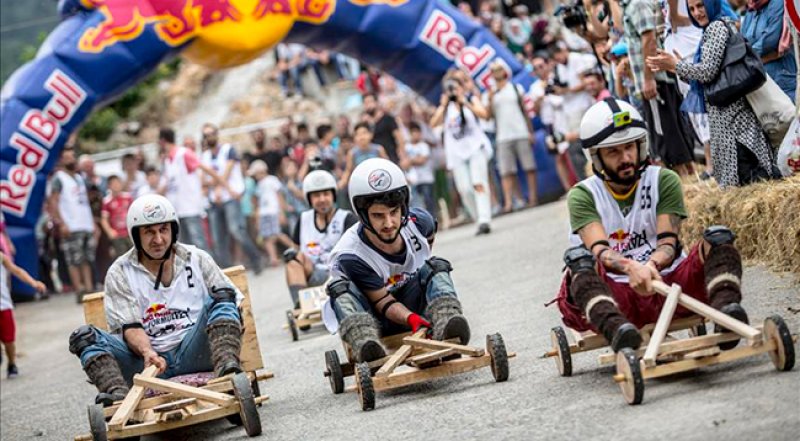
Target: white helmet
<point>378,180</point>
<point>318,180</point>
<point>151,209</point>
<point>610,123</point>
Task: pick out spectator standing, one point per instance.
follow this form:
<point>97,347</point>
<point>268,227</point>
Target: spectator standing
<point>154,183</point>
<point>113,216</point>
<point>269,208</point>
<point>363,149</point>
<point>740,151</point>
<point>69,199</point>
<point>93,181</point>
<point>385,130</point>
<point>467,149</point>
<point>291,63</point>
<point>6,245</point>
<point>420,173</point>
<point>594,84</point>
<point>132,178</point>
<point>659,91</point>
<point>514,136</point>
<point>225,213</point>
<point>292,190</point>
<point>8,326</point>
<point>183,187</point>
<point>763,27</point>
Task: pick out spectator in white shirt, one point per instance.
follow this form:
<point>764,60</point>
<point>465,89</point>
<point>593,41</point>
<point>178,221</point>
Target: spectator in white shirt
<point>420,172</point>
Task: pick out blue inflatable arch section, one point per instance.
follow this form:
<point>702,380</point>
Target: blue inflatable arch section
<point>44,101</point>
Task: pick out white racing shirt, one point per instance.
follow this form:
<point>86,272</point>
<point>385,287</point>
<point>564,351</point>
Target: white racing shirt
<point>316,244</point>
<point>168,313</point>
<point>632,235</point>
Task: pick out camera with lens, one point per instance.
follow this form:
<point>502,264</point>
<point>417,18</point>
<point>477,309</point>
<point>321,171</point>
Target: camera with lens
<point>450,89</point>
<point>573,16</point>
<point>315,162</point>
<point>550,89</point>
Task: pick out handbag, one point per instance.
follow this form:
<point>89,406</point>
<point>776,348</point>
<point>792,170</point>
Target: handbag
<point>774,110</point>
<point>741,72</point>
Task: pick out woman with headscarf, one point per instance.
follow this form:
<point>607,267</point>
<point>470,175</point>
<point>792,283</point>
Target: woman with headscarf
<point>763,26</point>
<point>740,152</point>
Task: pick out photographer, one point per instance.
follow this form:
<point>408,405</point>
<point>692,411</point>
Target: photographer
<point>467,148</point>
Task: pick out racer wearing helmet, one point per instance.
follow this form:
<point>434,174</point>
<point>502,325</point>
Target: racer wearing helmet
<point>167,304</point>
<point>315,234</point>
<point>625,223</point>
<point>385,279</point>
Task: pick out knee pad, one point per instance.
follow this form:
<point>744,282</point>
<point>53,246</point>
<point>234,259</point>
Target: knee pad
<point>579,259</point>
<point>223,294</point>
<point>337,288</point>
<point>719,235</point>
<point>433,266</point>
<point>289,255</point>
<point>82,338</point>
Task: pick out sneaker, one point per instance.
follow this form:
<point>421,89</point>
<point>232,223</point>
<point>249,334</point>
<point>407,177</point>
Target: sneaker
<point>483,229</point>
<point>12,370</point>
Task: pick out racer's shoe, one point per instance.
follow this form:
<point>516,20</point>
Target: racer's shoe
<point>448,319</point>
<point>736,311</point>
<point>360,331</point>
<point>104,372</point>
<point>225,342</point>
<point>626,336</point>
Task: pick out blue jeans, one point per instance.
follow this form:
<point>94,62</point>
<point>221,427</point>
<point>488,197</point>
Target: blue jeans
<point>190,356</point>
<point>192,232</point>
<point>413,295</point>
<point>227,222</point>
<point>422,196</point>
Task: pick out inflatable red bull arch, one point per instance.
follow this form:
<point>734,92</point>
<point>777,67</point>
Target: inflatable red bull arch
<point>103,47</point>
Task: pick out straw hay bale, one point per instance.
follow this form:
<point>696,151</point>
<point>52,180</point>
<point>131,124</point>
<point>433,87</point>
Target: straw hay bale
<point>765,217</point>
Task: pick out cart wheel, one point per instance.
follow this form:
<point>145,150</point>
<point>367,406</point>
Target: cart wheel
<point>497,351</point>
<point>97,422</point>
<point>334,372</point>
<point>783,356</point>
<point>633,384</point>
<point>561,344</point>
<point>256,390</point>
<point>292,325</point>
<point>366,392</point>
<point>698,330</point>
<point>248,412</point>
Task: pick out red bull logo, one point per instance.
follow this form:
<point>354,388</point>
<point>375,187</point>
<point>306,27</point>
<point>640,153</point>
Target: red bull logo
<point>175,21</point>
<point>154,308</point>
<point>619,238</point>
<point>395,279</point>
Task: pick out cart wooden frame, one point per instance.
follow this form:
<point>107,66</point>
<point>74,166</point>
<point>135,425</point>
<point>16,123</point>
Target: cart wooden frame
<point>180,405</point>
<point>413,359</point>
<point>665,355</point>
<point>310,312</point>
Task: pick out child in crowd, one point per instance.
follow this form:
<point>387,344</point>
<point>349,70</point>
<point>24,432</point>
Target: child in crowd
<point>269,207</point>
<point>8,326</point>
<point>364,149</point>
<point>154,183</point>
<point>420,170</point>
<point>113,215</point>
<point>292,191</point>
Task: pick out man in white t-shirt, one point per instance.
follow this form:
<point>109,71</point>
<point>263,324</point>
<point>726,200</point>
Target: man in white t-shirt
<point>514,135</point>
<point>69,206</point>
<point>567,82</point>
<point>420,172</point>
<point>167,304</point>
<point>225,214</point>
<point>316,233</point>
<point>385,279</point>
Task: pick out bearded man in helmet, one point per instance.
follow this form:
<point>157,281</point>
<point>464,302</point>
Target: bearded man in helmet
<point>315,234</point>
<point>385,280</point>
<point>167,304</point>
<point>625,223</point>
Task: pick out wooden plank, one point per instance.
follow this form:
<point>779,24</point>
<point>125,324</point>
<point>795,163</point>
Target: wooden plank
<point>436,345</point>
<point>690,363</point>
<point>399,356</point>
<point>392,342</point>
<point>94,312</point>
<point>700,353</point>
<point>203,415</point>
<point>183,390</point>
<point>131,401</point>
<point>250,355</point>
<point>677,347</point>
<point>664,319</point>
<point>416,375</point>
<point>750,333</point>
<point>430,356</point>
<point>174,405</point>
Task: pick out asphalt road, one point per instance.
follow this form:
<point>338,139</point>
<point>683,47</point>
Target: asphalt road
<point>504,279</point>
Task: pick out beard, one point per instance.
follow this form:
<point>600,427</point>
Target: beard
<point>614,175</point>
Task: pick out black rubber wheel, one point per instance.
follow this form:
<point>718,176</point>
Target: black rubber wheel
<point>256,390</point>
<point>633,384</point>
<point>560,343</point>
<point>366,392</point>
<point>292,325</point>
<point>497,351</point>
<point>334,372</point>
<point>783,357</point>
<point>248,412</point>
<point>97,422</point>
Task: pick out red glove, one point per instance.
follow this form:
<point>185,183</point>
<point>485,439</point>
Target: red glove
<point>415,321</point>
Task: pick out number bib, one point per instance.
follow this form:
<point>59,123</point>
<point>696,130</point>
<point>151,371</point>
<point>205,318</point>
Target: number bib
<point>168,313</point>
<point>632,234</point>
<point>395,275</point>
